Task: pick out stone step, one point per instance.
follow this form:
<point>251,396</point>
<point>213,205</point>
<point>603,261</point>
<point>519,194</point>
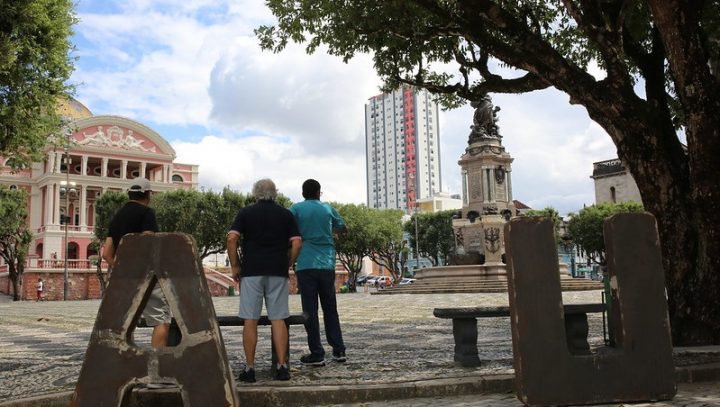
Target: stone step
<point>431,287</point>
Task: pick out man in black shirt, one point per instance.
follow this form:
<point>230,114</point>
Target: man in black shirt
<point>137,217</point>
<point>266,230</point>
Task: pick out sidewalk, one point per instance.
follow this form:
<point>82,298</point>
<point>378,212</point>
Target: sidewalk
<point>395,347</point>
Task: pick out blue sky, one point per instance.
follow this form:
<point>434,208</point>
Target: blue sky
<point>192,70</point>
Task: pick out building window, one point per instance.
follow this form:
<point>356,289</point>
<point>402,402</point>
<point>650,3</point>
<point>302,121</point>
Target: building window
<point>613,198</point>
<point>177,178</point>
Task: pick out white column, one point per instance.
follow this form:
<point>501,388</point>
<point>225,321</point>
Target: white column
<point>56,206</point>
<point>49,191</point>
<point>509,186</point>
<point>143,168</point>
<point>104,168</point>
<point>58,161</point>
<point>493,185</point>
<point>83,207</point>
<point>123,169</point>
<point>50,162</point>
<point>83,168</point>
<point>483,183</point>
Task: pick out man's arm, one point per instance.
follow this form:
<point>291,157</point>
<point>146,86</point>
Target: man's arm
<point>108,253</point>
<point>295,246</point>
<point>233,237</point>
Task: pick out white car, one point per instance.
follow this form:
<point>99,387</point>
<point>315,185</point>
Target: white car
<point>383,281</point>
<point>406,281</point>
<point>371,281</point>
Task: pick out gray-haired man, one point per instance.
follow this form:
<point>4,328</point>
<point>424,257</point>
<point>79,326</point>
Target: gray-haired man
<point>266,230</point>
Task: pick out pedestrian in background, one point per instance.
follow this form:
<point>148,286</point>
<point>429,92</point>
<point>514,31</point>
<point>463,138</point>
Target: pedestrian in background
<point>39,289</point>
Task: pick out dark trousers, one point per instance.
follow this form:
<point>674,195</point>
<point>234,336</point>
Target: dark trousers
<point>316,284</point>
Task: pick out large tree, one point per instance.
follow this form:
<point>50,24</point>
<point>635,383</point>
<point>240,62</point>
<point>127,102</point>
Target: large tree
<point>204,215</point>
<point>661,60</point>
<point>35,64</point>
<point>354,246</point>
<point>386,239</point>
<point>435,235</point>
<point>585,229</point>
<point>14,235</point>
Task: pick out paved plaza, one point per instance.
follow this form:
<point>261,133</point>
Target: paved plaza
<point>392,340</point>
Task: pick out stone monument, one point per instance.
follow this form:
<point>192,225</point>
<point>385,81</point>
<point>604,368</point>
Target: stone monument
<point>487,193</point>
<point>487,205</point>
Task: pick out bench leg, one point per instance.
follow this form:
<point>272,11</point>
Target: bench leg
<point>465,334</point>
<point>576,333</point>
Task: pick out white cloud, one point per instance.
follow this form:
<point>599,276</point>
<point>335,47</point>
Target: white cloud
<point>316,100</point>
<point>238,163</point>
<point>292,116</point>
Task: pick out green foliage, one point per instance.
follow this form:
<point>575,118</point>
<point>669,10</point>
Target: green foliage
<point>436,238</point>
<point>15,237</point>
<point>106,207</point>
<point>551,213</point>
<point>586,227</point>
<point>35,65</point>
<point>374,233</point>
<point>204,215</point>
<point>387,240</point>
<point>355,245</point>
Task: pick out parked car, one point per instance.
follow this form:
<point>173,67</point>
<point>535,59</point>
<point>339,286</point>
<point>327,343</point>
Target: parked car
<point>361,279</point>
<point>406,281</point>
<point>383,281</point>
<point>371,280</point>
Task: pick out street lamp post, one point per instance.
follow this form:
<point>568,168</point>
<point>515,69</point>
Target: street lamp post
<point>68,187</point>
<point>67,211</point>
<point>417,247</point>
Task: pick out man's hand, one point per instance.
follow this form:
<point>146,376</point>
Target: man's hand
<point>235,272</point>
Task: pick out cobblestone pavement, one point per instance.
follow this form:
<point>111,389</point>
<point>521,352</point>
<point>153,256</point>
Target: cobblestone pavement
<point>689,395</point>
<point>390,339</point>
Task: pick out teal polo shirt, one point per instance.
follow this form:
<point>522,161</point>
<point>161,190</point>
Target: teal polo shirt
<point>316,221</point>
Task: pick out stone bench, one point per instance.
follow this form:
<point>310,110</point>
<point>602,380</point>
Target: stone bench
<point>465,332</point>
<point>230,320</point>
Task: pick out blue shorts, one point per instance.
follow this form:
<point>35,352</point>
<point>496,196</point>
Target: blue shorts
<point>274,289</point>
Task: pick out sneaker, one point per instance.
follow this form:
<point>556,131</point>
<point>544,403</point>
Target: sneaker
<point>312,360</point>
<point>283,373</point>
<point>247,376</point>
<point>339,357</point>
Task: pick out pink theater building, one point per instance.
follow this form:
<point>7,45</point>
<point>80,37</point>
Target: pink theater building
<point>105,152</point>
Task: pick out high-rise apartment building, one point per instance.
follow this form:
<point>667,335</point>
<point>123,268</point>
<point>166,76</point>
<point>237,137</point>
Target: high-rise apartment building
<point>402,147</point>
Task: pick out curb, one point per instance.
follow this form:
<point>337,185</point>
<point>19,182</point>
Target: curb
<point>321,395</point>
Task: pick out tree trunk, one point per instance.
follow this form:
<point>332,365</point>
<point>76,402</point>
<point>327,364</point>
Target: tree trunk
<point>100,277</point>
<point>13,274</point>
<point>677,189</point>
<point>694,302</point>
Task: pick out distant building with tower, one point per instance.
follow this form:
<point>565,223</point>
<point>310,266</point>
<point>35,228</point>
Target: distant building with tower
<point>402,145</point>
<point>614,183</point>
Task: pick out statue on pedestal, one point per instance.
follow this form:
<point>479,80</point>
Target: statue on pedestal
<point>484,120</point>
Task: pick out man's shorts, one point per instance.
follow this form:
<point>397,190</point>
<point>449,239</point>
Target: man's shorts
<point>157,310</point>
<point>274,289</point>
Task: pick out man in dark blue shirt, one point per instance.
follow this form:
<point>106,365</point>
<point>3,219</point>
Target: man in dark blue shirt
<point>266,231</point>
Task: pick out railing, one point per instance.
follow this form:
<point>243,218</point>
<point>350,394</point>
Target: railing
<point>61,228</point>
<point>73,264</point>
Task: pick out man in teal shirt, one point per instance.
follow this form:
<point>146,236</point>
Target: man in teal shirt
<point>315,272</point>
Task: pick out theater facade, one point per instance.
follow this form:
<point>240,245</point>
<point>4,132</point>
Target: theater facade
<point>95,155</point>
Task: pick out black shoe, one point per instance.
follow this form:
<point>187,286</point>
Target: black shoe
<point>339,357</point>
<point>312,360</point>
<point>247,376</point>
<point>283,373</point>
